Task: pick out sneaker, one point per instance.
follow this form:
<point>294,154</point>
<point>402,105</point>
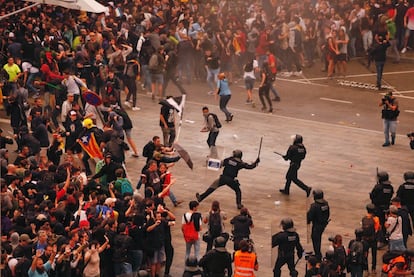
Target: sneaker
<point>211,92</point>
<point>276,99</point>
<point>178,203</point>
<point>403,50</point>
<point>135,155</point>
<point>386,144</point>
<point>136,108</point>
<point>298,73</point>
<point>126,103</point>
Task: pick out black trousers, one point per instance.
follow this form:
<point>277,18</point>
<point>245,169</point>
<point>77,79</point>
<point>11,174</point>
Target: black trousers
<point>292,176</point>
<point>211,140</point>
<point>317,231</point>
<point>264,93</point>
<point>290,261</point>
<point>224,180</point>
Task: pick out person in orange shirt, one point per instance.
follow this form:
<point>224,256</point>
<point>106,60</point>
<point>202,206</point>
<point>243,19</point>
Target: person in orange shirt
<point>371,226</point>
<point>245,261</point>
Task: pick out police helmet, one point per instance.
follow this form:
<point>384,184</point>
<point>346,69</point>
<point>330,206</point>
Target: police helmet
<point>298,139</point>
<point>359,232</point>
<point>409,175</point>
<point>317,194</point>
<point>382,176</point>
<point>370,208</point>
<point>287,223</point>
<point>237,153</point>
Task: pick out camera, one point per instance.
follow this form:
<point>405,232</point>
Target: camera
<point>307,254</point>
<point>331,238</point>
<point>410,135</point>
<point>386,98</point>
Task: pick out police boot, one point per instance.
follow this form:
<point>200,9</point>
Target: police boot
<point>201,197</point>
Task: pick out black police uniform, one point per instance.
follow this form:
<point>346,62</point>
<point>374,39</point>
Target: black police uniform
<point>381,196</point>
<point>295,153</point>
<point>287,242</point>
<point>406,194</point>
<point>318,215</point>
<point>232,166</point>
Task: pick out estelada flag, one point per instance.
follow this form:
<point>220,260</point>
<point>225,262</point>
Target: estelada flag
<point>89,144</point>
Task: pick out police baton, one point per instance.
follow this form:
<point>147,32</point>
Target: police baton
<point>277,153</point>
<point>260,147</point>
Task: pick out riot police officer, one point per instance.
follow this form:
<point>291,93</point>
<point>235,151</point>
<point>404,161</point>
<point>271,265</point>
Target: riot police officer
<point>232,165</point>
<point>295,153</point>
<point>318,214</point>
<point>287,240</point>
<point>381,195</point>
<point>406,193</point>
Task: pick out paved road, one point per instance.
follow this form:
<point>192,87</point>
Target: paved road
<point>343,139</point>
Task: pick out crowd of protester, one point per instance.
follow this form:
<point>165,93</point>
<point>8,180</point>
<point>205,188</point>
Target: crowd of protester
<point>53,207</point>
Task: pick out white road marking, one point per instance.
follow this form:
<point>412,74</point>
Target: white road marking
<point>336,100</point>
<point>409,111</point>
<point>360,75</point>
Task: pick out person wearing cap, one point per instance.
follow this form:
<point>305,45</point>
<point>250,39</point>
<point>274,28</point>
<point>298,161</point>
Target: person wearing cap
<point>108,169</point>
<point>287,241</point>
<point>4,140</point>
<point>405,216</point>
<point>216,262</point>
<point>394,227</point>
<point>389,115</point>
<point>73,127</point>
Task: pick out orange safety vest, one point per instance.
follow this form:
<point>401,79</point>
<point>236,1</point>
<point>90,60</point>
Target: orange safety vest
<point>244,263</point>
<point>386,268</point>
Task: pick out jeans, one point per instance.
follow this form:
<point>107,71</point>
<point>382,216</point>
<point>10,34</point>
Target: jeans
<point>352,47</point>
<point>390,126</point>
<point>274,91</point>
<point>380,69</point>
<point>211,140</point>
<point>147,76</point>
<point>394,48</point>
<point>212,77</point>
<point>122,268</point>
<point>224,99</point>
<point>136,257</point>
<point>29,82</point>
<point>188,246</point>
<point>169,135</point>
<point>397,244</point>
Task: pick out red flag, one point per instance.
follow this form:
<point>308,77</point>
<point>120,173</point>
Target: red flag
<point>89,144</point>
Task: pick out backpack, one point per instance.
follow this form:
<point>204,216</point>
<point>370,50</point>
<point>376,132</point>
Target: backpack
<point>214,224</point>
<point>248,67</point>
<point>368,227</point>
<point>189,231</point>
<point>216,120</point>
<point>125,186</point>
<point>340,256</point>
<point>127,120</point>
<point>153,62</point>
<point>356,253</point>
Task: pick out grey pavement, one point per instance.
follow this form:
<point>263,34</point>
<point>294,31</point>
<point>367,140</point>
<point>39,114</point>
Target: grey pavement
<point>344,151</point>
